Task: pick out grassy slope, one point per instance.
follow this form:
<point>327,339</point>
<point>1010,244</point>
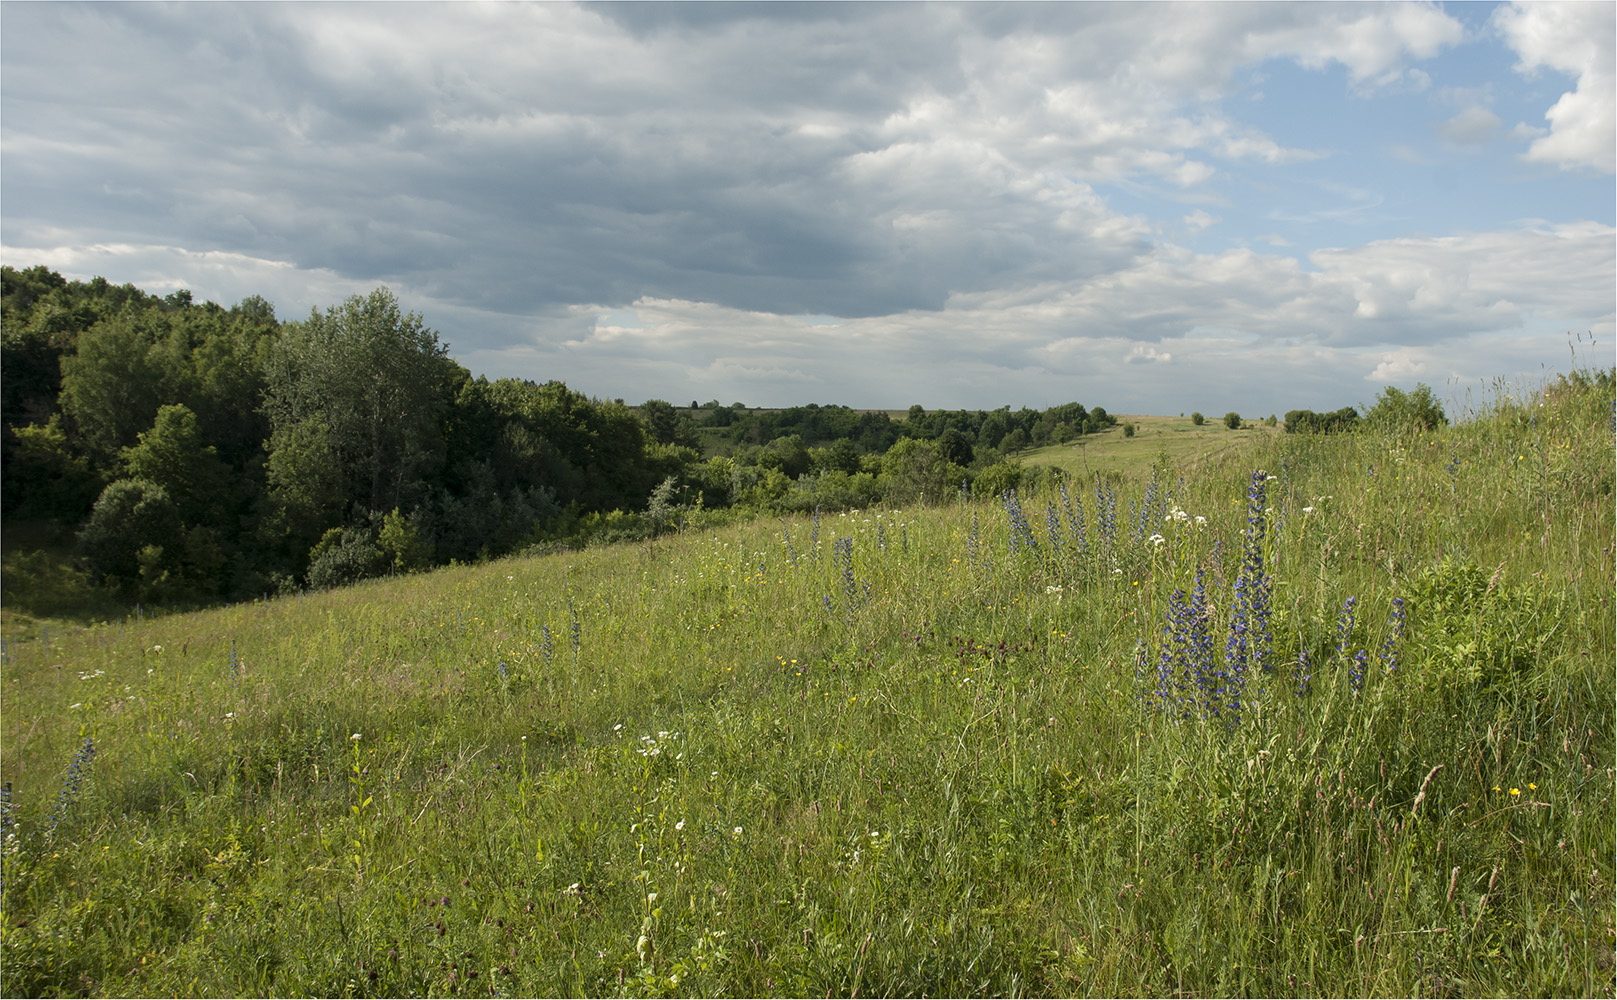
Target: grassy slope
<point>1175,439</point>
<point>927,762</point>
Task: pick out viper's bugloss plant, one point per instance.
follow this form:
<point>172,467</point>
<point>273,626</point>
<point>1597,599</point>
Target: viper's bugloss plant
<point>1073,507</point>
<point>1392,642</point>
<point>786,534</point>
<point>1021,533</point>
<point>1105,515</point>
<point>1344,626</point>
<point>72,786</point>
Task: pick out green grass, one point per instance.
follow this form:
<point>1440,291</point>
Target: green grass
<point>933,767</point>
<point>1156,440</point>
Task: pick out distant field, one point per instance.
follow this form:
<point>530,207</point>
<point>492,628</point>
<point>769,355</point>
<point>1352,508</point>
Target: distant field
<point>1155,438</point>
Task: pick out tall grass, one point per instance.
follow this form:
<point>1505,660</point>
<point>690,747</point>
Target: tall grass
<point>891,752</point>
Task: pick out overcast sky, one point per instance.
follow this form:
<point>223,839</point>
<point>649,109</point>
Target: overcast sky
<point>1152,208</point>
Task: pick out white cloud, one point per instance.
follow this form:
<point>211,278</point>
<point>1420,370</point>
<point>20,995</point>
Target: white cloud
<point>1474,126</point>
<point>869,203</point>
<point>1577,39</point>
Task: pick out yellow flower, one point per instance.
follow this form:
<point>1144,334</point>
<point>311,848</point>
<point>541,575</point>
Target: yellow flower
<point>1532,787</point>
<point>1515,791</point>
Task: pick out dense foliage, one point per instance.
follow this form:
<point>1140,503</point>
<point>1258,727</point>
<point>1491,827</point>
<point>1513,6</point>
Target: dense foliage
<point>195,453</point>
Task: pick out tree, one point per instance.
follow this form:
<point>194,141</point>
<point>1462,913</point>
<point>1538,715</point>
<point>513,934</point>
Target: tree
<point>401,543</point>
<point>370,384</point>
<point>1197,419</point>
<point>133,535</point>
<point>955,447</point>
<point>1232,420</point>
<point>1397,411</point>
<point>917,470</point>
<point>111,386</point>
<point>171,454</point>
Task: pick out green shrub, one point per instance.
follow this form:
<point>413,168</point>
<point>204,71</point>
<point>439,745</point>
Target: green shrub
<point>997,479</point>
<point>1232,420</point>
<point>132,517</point>
<point>1197,419</point>
<point>1396,410</point>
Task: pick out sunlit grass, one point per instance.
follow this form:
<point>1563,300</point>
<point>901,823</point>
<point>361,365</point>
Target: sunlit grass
<point>916,762</point>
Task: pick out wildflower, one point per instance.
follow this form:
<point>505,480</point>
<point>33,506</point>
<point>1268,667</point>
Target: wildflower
<point>1515,791</point>
<point>680,825</point>
<point>737,831</point>
<point>1156,541</point>
<point>354,737</point>
<point>1532,787</point>
<point>1395,633</point>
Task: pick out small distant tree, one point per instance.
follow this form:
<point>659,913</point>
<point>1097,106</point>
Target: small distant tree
<point>1270,420</point>
<point>1232,420</point>
<point>1197,419</point>
<point>401,542</point>
<point>1396,410</point>
<point>1128,429</point>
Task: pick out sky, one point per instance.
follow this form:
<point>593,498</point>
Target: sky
<point>1153,208</point>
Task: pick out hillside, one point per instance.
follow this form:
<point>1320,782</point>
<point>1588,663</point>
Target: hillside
<point>1341,726</point>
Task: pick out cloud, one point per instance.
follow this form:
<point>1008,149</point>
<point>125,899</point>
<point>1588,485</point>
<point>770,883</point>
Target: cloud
<point>957,205</point>
<point>1474,126</point>
<point>851,161</point>
<point>1576,39</point>
<point>1390,311</point>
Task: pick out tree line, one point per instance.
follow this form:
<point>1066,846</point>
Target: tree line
<point>199,453</point>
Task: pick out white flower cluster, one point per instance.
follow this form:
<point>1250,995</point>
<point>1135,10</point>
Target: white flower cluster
<point>653,746</point>
<point>1178,516</point>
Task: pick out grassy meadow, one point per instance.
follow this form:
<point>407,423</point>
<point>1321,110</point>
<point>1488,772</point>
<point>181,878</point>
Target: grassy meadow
<point>1341,726</point>
<point>1157,441</point>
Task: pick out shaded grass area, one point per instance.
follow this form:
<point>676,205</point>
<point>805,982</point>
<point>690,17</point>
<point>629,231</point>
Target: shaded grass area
<point>902,752</point>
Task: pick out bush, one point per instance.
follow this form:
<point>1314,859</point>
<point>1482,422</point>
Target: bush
<point>1309,422</point>
<point>134,534</point>
<point>997,479</point>
<point>1128,429</point>
<point>1232,420</point>
<point>1396,410</point>
<point>1197,419</point>
<point>344,556</point>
